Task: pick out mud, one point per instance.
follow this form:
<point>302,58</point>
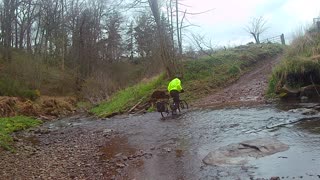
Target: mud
<point>248,90</point>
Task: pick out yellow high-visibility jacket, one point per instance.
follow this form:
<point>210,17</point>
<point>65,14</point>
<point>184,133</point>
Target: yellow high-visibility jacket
<point>175,84</point>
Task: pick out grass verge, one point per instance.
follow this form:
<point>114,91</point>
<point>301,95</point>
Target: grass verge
<point>12,124</point>
<point>125,99</point>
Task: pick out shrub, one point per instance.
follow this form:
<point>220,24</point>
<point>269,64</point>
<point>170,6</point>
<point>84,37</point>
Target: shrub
<point>10,87</point>
<point>234,70</point>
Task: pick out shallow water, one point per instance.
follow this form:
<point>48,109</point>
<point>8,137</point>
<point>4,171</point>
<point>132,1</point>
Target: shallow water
<point>179,144</point>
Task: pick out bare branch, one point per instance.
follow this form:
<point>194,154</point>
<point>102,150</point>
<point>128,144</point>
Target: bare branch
<point>198,13</point>
<point>205,48</point>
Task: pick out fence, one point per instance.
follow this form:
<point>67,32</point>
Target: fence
<point>275,39</point>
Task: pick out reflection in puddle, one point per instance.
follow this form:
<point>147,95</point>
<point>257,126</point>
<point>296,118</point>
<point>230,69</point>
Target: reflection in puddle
<point>117,146</point>
<point>121,155</point>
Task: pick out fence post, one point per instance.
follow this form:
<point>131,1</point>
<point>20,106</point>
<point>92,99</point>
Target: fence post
<point>283,42</point>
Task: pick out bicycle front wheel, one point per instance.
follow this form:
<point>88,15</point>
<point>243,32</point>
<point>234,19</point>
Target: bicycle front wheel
<point>183,104</point>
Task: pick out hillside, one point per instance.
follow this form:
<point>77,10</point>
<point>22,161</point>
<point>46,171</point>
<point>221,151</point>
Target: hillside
<point>202,77</point>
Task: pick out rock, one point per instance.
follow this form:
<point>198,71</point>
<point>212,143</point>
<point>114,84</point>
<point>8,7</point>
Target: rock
<point>118,155</point>
<point>42,131</point>
<point>223,174</point>
<point>167,149</point>
<point>14,138</point>
<point>310,112</point>
<point>286,92</point>
<point>304,98</point>
<point>275,178</point>
<point>310,91</point>
<point>283,157</point>
<point>240,153</point>
<point>107,131</point>
<point>125,158</point>
<point>120,165</point>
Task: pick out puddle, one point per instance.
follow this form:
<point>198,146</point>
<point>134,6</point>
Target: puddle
<point>117,146</point>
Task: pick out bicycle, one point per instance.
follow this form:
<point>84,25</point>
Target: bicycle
<point>164,107</point>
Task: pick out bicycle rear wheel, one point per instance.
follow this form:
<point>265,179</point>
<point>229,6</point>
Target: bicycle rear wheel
<point>164,110</point>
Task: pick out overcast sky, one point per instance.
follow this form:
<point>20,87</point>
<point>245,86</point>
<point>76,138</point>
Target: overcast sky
<point>225,24</point>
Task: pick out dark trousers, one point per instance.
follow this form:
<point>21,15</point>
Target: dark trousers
<point>175,96</point>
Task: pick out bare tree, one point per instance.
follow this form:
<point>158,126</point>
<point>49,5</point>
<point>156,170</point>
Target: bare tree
<point>167,56</point>
<point>203,47</point>
<point>256,27</point>
<point>180,10</point>
<point>8,14</point>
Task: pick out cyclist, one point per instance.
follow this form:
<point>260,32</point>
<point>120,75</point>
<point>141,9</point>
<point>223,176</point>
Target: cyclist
<point>174,89</point>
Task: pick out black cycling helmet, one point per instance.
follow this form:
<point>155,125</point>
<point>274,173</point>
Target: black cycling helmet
<point>179,76</point>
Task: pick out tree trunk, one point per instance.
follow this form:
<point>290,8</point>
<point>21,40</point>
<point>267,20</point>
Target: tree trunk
<point>63,36</point>
<point>166,58</point>
<point>178,28</point>
<point>256,38</point>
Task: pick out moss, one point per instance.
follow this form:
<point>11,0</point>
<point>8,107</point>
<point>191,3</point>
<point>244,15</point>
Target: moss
<point>13,124</point>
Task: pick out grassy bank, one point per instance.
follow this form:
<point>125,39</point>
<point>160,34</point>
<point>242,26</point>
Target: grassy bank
<point>125,99</point>
<point>299,67</point>
<point>12,124</point>
<point>201,76</point>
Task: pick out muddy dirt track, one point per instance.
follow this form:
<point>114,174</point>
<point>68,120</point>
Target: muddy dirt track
<point>248,90</point>
<point>148,147</point>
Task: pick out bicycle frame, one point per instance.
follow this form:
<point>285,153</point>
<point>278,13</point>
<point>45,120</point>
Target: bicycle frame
<point>165,106</point>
